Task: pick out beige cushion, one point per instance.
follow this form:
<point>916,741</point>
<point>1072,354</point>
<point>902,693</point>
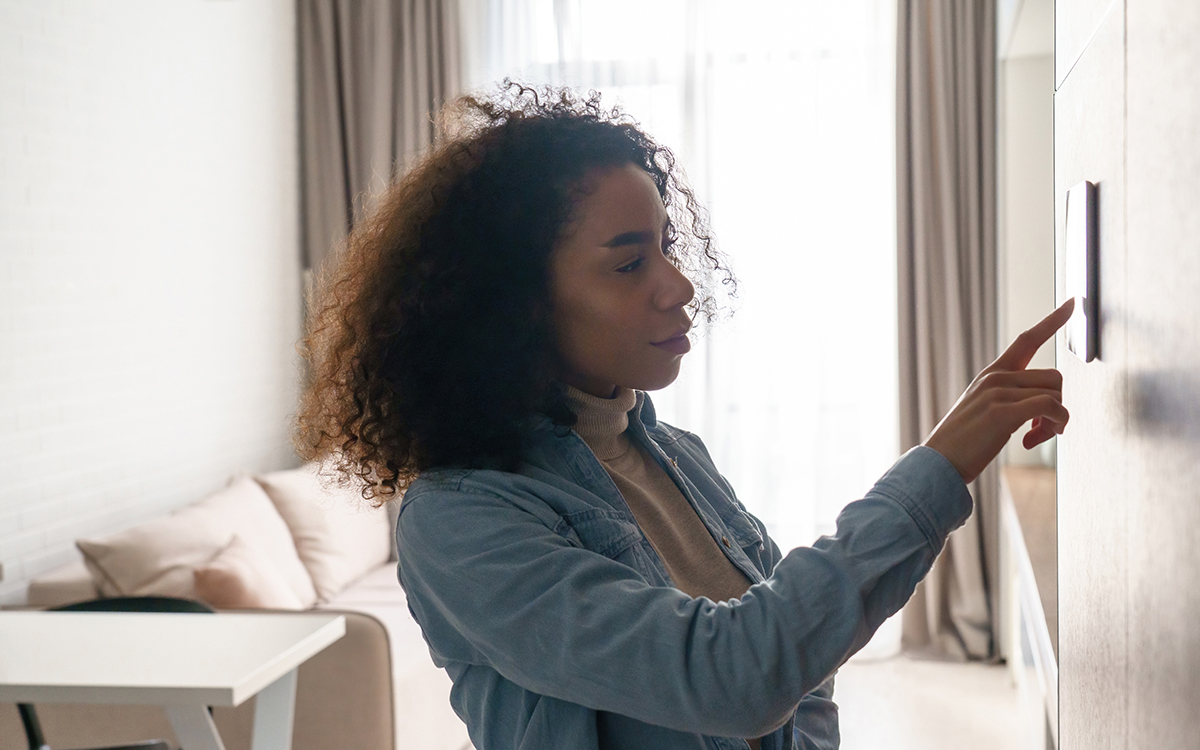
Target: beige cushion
<point>158,557</point>
<point>241,577</point>
<point>66,584</point>
<point>379,586</point>
<point>338,535</point>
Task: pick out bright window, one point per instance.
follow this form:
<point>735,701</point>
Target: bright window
<point>782,116</point>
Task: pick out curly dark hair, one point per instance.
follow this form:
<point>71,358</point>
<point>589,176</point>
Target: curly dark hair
<point>430,338</point>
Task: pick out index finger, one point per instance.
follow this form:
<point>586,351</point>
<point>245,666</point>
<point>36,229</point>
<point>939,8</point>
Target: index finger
<point>1023,347</point>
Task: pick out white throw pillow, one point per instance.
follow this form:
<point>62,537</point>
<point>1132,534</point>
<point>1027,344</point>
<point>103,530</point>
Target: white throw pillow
<point>158,557</point>
<point>339,536</point>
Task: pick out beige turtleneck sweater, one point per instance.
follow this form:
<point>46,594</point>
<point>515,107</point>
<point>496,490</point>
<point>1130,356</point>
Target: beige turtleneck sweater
<point>695,563</point>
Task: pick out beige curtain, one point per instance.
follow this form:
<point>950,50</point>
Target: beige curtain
<point>945,102</point>
<point>372,72</point>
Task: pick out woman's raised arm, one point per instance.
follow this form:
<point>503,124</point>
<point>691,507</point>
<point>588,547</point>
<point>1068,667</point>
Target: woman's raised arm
<point>496,580</point>
<point>1001,399</point>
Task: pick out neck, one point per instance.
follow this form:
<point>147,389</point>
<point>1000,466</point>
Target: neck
<point>601,417</point>
<point>595,388</point>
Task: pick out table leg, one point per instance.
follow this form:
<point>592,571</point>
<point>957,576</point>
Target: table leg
<point>194,728</point>
<point>274,714</point>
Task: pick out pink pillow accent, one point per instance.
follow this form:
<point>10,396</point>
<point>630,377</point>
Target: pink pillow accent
<point>241,577</point>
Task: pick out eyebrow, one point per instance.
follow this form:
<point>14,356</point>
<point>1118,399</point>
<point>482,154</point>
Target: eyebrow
<point>630,238</point>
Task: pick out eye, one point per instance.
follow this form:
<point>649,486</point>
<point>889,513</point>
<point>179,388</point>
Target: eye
<point>632,265</point>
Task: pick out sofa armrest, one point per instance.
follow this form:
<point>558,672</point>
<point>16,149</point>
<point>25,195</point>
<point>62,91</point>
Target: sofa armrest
<point>343,695</point>
<point>65,584</point>
<point>420,690</point>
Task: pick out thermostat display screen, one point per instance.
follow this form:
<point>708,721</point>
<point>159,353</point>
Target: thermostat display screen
<point>1081,282</point>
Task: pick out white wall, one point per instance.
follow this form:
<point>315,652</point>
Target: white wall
<point>1025,183</point>
<point>149,272</point>
<point>1026,209</point>
<point>1027,219</point>
<point>1025,177</point>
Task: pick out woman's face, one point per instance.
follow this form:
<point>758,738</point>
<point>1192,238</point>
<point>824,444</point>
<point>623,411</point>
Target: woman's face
<point>618,301</point>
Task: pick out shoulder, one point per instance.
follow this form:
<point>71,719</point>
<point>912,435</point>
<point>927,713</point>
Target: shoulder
<point>449,493</point>
<point>545,491</point>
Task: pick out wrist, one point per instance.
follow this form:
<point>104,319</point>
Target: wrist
<point>935,445</point>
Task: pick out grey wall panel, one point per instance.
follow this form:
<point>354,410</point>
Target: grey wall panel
<point>1163,234</point>
<point>1092,517</point>
<point>1075,23</point>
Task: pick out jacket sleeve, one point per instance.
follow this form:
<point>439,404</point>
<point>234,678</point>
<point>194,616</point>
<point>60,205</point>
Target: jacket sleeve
<point>491,583</point>
<point>817,725</point>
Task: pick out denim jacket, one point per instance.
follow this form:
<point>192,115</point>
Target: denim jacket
<point>541,597</point>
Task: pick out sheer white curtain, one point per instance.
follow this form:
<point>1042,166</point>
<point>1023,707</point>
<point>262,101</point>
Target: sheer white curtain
<point>782,115</point>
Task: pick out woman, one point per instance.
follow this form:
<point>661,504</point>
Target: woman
<point>582,571</point>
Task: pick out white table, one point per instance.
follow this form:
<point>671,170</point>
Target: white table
<point>183,662</point>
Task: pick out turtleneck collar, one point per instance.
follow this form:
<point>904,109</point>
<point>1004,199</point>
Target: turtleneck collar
<point>601,420</point>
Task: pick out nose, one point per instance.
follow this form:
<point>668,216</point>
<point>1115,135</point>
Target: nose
<point>673,289</point>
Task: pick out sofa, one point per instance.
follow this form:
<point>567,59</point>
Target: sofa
<point>284,542</point>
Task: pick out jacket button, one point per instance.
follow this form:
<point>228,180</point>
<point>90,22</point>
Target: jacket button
<point>725,541</point>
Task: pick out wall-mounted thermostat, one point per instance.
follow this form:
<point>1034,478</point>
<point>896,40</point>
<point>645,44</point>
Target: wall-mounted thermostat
<point>1083,272</point>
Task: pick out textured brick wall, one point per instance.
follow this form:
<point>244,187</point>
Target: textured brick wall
<point>149,276</point>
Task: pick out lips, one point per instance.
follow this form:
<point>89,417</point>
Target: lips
<point>681,331</point>
<point>677,344</point>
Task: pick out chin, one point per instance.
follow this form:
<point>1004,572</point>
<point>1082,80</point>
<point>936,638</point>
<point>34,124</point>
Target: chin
<point>656,381</point>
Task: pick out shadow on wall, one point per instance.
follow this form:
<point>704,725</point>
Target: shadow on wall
<point>1165,404</point>
<point>1162,404</point>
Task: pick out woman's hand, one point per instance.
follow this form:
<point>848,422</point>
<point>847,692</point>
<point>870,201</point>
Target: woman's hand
<point>1001,399</point>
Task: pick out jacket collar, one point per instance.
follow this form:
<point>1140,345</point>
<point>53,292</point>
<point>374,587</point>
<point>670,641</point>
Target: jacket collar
<point>644,411</point>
